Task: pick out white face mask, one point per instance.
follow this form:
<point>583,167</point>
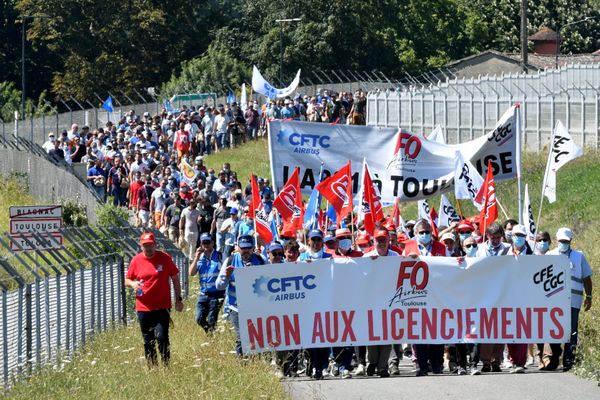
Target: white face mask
<point>345,244</point>
<point>318,254</point>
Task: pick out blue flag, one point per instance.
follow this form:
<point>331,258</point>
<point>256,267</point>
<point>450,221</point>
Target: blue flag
<point>107,105</point>
<point>274,230</point>
<point>313,208</point>
<point>168,106</point>
<point>331,215</point>
<point>230,97</point>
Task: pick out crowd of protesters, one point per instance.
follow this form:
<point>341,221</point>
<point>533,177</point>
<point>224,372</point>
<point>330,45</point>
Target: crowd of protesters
<point>137,162</point>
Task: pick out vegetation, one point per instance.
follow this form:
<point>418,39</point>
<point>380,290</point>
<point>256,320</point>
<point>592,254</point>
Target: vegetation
<point>87,46</point>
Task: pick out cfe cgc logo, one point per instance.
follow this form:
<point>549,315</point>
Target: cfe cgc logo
<point>411,288</point>
<point>304,143</point>
<point>283,289</point>
<point>549,280</point>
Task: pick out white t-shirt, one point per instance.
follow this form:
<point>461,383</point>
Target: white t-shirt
<point>191,220</point>
<point>160,197</point>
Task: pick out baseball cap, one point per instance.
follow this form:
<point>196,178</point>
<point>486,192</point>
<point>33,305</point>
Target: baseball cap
<point>205,237</point>
<point>448,235</point>
<point>362,238</point>
<point>315,233</point>
<point>390,227</point>
<point>233,211</point>
<point>245,242</point>
<point>275,246</point>
<point>329,238</point>
<point>465,226</point>
<point>288,232</point>
<point>342,232</point>
<point>519,230</point>
<point>402,238</point>
<point>564,234</point>
<point>199,158</point>
<point>147,237</point>
<point>50,134</point>
<point>381,233</point>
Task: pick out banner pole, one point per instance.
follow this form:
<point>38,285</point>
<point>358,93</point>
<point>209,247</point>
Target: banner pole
<point>460,211</point>
<point>537,222</point>
<point>502,208</point>
<point>518,164</point>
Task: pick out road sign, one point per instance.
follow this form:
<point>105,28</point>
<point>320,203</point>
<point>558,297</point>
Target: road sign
<point>42,220</point>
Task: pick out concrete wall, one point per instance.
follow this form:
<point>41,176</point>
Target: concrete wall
<point>48,182</point>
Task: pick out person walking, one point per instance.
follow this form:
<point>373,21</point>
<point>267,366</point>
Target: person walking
<point>150,274</point>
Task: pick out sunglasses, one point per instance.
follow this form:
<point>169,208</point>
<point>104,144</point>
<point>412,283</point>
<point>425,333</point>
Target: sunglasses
<point>424,232</point>
<point>468,246</point>
<point>206,242</point>
<point>277,254</point>
<point>316,239</point>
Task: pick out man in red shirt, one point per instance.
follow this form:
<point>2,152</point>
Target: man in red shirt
<point>148,275</point>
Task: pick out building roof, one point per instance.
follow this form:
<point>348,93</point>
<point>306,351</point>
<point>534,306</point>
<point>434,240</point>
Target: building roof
<point>544,34</point>
<point>487,54</point>
<point>548,61</point>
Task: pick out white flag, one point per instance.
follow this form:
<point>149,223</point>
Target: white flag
<point>423,207</point>
<point>564,150</point>
<point>437,135</point>
<point>244,98</point>
<point>260,85</point>
<point>467,180</point>
<point>447,213</point>
<point>528,220</point>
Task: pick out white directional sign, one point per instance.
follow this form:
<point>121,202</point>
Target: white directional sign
<point>43,220</point>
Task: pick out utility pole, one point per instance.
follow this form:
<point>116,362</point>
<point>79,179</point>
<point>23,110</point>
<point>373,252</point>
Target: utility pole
<point>524,50</point>
<point>280,22</point>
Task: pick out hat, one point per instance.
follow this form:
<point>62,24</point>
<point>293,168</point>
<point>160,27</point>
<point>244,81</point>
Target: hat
<point>315,233</point>
<point>448,235</point>
<point>50,134</point>
<point>245,242</point>
<point>342,232</point>
<point>465,226</point>
<point>410,222</point>
<point>329,238</point>
<point>199,158</point>
<point>288,232</point>
<point>519,230</point>
<point>275,246</point>
<point>564,234</point>
<point>205,236</point>
<point>233,211</point>
<point>238,191</point>
<point>381,233</point>
<point>402,238</point>
<point>362,238</point>
<point>147,237</point>
<point>146,114</point>
<point>183,184</point>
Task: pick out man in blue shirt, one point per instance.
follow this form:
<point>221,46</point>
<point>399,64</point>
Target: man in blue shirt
<point>206,264</point>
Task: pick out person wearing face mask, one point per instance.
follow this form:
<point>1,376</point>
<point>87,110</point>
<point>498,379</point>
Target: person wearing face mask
<point>319,356</point>
<point>581,289</point>
<point>464,230</point>
<point>508,225</point>
<point>517,352</point>
<point>344,249</point>
<point>491,354</point>
<point>427,355</point>
<point>49,144</point>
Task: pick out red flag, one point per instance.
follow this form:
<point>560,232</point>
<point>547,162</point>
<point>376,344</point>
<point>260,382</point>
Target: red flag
<point>257,211</point>
<point>338,190</point>
<point>371,209</point>
<point>489,212</point>
<point>394,218</point>
<point>289,201</point>
<point>433,216</point>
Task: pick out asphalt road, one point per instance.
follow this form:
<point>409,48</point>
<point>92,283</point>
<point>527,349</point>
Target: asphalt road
<point>534,384</point>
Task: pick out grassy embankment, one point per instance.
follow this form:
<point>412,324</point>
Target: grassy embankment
<point>112,365</point>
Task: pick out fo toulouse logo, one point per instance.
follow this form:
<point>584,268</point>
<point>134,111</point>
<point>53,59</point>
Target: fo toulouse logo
<point>304,143</point>
<point>411,289</point>
<point>549,280</point>
<point>282,289</point>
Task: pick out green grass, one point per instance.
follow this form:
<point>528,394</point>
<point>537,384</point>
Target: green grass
<point>112,366</point>
<point>251,158</point>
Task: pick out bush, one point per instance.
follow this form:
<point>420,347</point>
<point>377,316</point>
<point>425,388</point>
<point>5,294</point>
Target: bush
<point>110,215</point>
<point>74,213</point>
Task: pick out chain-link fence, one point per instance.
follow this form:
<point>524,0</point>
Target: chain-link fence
<point>66,112</point>
<point>52,301</point>
<point>467,108</point>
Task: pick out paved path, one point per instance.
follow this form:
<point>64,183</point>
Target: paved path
<point>534,384</point>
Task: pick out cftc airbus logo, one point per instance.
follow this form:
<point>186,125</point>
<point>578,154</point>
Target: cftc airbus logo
<point>304,143</point>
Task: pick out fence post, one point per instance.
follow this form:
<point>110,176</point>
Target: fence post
<point>5,336</point>
<point>28,327</point>
<point>122,290</point>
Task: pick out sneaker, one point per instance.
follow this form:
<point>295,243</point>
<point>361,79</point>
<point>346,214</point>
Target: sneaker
<point>408,352</point>
<point>383,373</point>
<point>371,369</point>
<point>437,370</point>
<point>345,374</point>
<point>317,374</point>
<point>517,370</point>
<point>496,368</point>
<point>486,368</point>
<point>393,370</point>
<point>461,371</point>
<point>360,370</point>
<point>334,368</point>
<point>475,372</point>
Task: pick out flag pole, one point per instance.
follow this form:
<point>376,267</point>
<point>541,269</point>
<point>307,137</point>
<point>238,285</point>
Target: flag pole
<point>502,208</point>
<point>460,211</point>
<point>518,123</point>
<point>537,222</point>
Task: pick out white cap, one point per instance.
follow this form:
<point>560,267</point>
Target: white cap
<point>519,229</point>
<point>564,234</point>
<point>448,235</point>
<point>410,222</point>
<point>199,158</point>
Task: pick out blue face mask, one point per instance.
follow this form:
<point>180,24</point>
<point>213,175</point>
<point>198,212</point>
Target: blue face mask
<point>425,238</point>
<point>543,246</point>
<point>563,247</point>
<point>519,241</point>
<point>471,251</point>
<point>508,236</point>
<point>464,236</point>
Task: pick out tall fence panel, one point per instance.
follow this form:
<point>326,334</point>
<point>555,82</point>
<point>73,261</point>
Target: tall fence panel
<point>53,301</point>
<point>467,108</point>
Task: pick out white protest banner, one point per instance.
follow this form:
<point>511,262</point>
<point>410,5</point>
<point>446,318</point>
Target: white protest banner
<point>348,302</point>
<point>528,218</point>
<point>447,213</point>
<point>260,85</point>
<point>437,135</point>
<point>467,180</point>
<point>402,164</point>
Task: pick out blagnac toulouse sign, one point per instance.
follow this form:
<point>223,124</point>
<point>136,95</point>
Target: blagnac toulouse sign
<point>524,299</point>
<point>402,164</point>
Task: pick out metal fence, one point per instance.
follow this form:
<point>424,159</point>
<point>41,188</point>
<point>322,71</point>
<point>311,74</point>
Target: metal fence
<point>65,112</point>
<point>467,108</point>
<point>53,301</point>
